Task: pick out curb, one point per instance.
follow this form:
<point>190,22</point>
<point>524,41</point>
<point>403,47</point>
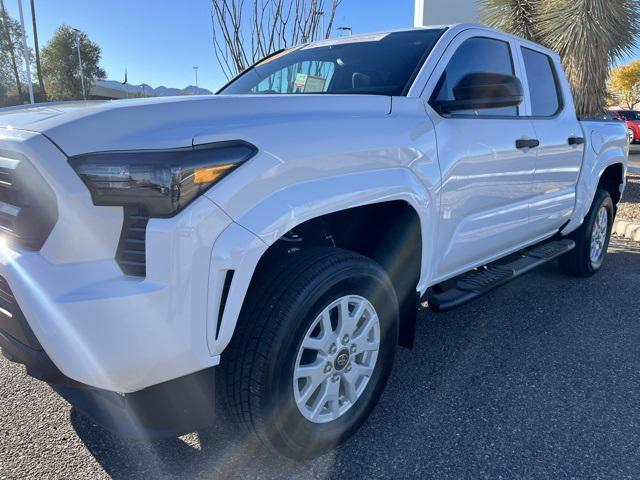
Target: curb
<point>630,230</point>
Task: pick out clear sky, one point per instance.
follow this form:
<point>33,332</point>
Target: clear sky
<point>159,41</point>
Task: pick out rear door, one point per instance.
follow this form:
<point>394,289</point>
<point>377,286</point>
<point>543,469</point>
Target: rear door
<point>486,180</point>
<point>559,155</point>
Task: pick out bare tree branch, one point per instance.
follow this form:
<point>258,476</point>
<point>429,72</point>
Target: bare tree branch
<point>270,24</point>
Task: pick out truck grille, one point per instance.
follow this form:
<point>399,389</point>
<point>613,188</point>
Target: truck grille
<point>28,209</point>
<point>131,254</point>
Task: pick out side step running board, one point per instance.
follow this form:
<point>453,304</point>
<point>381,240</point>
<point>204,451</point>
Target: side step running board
<point>473,284</point>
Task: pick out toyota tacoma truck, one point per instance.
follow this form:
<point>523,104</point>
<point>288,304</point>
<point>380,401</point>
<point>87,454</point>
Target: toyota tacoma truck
<point>258,255</point>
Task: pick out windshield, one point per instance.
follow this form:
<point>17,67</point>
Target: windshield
<point>379,64</point>
<point>629,115</point>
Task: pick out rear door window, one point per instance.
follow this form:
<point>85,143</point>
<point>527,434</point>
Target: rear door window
<point>543,84</point>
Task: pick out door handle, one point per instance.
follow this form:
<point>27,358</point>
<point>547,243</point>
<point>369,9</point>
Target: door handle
<point>576,140</point>
<point>533,143</point>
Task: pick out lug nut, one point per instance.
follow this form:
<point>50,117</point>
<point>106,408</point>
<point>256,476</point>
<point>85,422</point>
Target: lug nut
<point>327,368</point>
<point>353,349</point>
<point>335,378</point>
<point>333,348</point>
<point>345,339</point>
<point>348,368</point>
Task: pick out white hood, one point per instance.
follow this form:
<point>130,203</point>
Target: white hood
<point>169,122</point>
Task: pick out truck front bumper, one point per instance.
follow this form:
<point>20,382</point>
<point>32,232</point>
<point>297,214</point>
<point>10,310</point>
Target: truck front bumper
<point>172,408</point>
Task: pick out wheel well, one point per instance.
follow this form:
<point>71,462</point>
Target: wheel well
<point>388,233</point>
<point>611,180</point>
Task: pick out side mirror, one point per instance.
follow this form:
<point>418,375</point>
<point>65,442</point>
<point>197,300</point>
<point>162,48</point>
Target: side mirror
<point>477,91</point>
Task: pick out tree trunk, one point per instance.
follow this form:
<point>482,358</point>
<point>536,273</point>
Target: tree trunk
<point>37,48</point>
<point>12,53</point>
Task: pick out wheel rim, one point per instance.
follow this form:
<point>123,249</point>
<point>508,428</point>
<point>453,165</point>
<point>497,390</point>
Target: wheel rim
<point>599,235</point>
<point>336,359</point>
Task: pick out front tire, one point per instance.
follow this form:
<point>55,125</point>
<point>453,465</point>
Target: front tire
<point>592,238</point>
<point>312,351</point>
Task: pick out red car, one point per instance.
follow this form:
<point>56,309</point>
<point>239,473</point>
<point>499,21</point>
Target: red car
<point>632,119</point>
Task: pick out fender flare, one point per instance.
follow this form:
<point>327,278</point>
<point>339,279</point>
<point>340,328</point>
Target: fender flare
<point>243,243</point>
<point>594,165</point>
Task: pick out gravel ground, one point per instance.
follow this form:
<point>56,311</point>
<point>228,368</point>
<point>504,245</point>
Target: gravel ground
<point>629,208</point>
<point>540,379</point>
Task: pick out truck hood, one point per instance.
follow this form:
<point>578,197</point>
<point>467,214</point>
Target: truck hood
<point>169,122</point>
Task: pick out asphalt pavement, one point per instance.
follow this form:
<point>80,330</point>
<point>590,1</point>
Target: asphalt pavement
<point>634,159</point>
<point>540,379</point>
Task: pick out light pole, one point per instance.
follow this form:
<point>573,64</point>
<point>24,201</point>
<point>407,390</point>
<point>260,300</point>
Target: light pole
<point>84,92</point>
<point>195,69</point>
<point>25,52</point>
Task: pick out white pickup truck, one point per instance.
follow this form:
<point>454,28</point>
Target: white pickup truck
<point>268,247</point>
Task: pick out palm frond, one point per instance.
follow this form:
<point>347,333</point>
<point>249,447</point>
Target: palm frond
<point>589,35</point>
<point>517,17</point>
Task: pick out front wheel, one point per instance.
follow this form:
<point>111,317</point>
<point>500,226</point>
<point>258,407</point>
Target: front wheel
<point>312,350</point>
<point>592,238</point>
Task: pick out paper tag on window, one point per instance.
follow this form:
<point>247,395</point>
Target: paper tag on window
<point>301,81</point>
<point>314,84</point>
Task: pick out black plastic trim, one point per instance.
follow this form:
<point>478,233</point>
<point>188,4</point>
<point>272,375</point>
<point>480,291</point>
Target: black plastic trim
<point>228,278</point>
<point>478,282</point>
<point>530,143</point>
<point>423,59</point>
<point>169,409</point>
<point>33,200</point>
<point>131,253</point>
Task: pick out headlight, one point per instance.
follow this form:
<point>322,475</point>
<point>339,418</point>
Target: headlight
<point>162,182</point>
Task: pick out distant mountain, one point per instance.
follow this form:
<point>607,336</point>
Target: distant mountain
<point>116,89</point>
<point>193,90</point>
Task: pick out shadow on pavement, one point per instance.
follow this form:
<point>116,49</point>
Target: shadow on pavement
<point>539,379</point>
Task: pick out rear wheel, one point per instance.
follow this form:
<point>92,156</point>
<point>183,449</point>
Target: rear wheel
<point>592,238</point>
<point>312,350</point>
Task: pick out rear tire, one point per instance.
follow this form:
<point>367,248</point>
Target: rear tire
<point>288,303</point>
<point>592,238</point>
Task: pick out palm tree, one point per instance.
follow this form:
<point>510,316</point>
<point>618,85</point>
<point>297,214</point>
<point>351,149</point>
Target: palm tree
<point>589,35</point>
<point>37,48</point>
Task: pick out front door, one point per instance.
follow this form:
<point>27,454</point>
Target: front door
<point>486,179</point>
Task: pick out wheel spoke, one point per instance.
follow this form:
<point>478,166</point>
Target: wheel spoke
<point>363,344</point>
<point>349,381</point>
<point>363,370</point>
<point>345,320</point>
<point>314,371</point>
<point>320,402</point>
<point>349,327</point>
<point>313,343</point>
<point>325,323</point>
<point>309,389</point>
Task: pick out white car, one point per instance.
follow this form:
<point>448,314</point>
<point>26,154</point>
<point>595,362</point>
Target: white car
<point>272,243</point>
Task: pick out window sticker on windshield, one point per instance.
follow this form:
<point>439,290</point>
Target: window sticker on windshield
<point>314,84</point>
<point>301,81</point>
<point>347,40</point>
